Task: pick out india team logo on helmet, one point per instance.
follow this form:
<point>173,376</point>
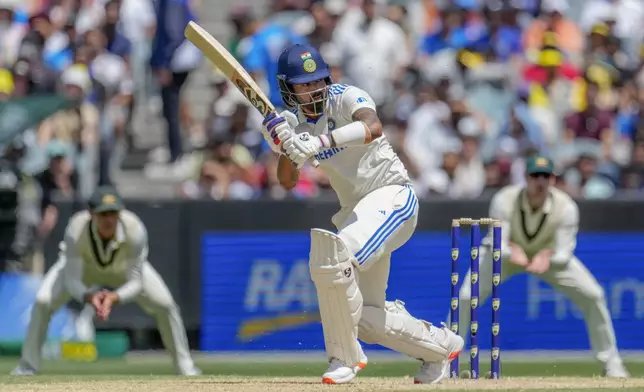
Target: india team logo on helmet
<point>308,62</point>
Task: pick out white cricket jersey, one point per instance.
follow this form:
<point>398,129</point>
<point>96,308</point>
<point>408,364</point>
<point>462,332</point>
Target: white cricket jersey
<point>554,226</point>
<point>90,261</point>
<point>353,171</point>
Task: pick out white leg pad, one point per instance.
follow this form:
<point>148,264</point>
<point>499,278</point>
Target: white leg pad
<point>339,298</point>
<point>394,328</point>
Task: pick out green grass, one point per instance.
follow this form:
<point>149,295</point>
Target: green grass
<point>159,368</point>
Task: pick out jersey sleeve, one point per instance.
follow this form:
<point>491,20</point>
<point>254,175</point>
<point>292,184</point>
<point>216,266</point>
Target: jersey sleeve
<point>352,99</point>
<point>566,235</point>
<point>138,255</point>
<point>73,269</point>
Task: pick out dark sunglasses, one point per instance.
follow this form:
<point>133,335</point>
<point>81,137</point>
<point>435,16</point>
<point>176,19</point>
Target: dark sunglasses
<point>540,175</point>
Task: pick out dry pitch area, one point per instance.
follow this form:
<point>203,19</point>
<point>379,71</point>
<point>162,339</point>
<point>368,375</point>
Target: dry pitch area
<point>310,384</point>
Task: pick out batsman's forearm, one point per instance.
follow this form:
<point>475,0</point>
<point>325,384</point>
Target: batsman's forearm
<point>287,173</point>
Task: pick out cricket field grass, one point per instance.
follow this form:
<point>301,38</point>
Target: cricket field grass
<point>154,374</point>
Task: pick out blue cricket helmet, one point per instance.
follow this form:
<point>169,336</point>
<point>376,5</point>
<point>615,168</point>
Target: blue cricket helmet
<point>300,64</point>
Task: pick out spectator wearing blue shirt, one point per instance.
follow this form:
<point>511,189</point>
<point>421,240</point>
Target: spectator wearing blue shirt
<point>260,48</point>
<point>117,43</point>
<point>173,58</point>
<point>504,31</point>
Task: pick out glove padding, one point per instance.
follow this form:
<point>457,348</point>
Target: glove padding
<point>303,146</point>
<point>276,129</point>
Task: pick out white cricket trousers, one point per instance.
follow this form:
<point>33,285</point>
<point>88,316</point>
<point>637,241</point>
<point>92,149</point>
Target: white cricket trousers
<point>573,280</point>
<point>380,223</point>
<point>155,299</point>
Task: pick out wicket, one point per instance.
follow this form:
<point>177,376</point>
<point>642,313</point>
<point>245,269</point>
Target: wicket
<point>475,243</point>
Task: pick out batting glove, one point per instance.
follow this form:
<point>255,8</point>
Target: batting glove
<point>276,130</point>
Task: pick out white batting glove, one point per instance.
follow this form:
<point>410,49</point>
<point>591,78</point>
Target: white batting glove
<point>276,130</point>
<point>303,146</point>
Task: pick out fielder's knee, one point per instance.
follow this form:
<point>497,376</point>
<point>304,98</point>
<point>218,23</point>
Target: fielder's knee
<point>594,294</point>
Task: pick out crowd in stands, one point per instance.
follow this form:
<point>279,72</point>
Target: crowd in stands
<point>465,88</point>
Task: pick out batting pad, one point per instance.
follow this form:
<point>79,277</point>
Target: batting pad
<point>394,328</point>
<point>339,299</point>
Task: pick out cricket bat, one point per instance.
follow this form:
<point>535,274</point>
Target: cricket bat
<point>222,59</point>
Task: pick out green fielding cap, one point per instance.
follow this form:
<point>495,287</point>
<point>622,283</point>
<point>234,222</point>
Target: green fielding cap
<point>105,199</point>
<point>540,164</point>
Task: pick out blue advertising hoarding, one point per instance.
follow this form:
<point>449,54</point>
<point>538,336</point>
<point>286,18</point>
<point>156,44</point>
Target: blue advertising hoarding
<point>257,293</point>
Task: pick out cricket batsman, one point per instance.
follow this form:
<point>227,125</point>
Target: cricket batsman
<point>539,229</point>
<point>105,246</point>
<point>337,125</point>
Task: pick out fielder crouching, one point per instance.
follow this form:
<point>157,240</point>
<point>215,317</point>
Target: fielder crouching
<point>106,246</point>
<point>539,236</point>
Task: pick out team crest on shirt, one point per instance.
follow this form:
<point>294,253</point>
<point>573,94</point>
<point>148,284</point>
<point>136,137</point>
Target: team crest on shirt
<point>331,124</point>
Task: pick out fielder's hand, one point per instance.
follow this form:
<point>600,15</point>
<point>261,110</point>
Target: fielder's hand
<point>540,263</point>
<point>110,298</point>
<point>96,300</point>
<point>518,256</point>
<point>276,130</point>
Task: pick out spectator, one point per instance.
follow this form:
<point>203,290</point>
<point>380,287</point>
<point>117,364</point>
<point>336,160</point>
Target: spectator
<point>173,59</point>
<point>566,35</point>
<point>77,128</point>
<point>374,49</point>
<point>259,49</point>
<point>58,182</point>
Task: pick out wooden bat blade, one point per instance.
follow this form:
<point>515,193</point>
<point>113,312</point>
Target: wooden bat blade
<point>229,66</point>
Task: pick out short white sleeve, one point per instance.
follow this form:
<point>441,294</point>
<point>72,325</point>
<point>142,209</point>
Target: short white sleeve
<point>353,99</point>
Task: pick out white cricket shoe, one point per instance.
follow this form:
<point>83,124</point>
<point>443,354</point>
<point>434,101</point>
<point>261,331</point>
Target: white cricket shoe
<point>363,361</point>
<point>338,373</point>
<point>616,369</point>
<point>435,372</point>
<point>194,371</point>
<point>23,370</point>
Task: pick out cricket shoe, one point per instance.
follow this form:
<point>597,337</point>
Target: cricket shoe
<point>194,371</point>
<point>435,372</point>
<point>616,369</point>
<point>339,373</point>
<point>23,370</point>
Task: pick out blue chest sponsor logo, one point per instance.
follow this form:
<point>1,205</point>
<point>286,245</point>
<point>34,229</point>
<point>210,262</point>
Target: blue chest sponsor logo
<point>328,153</point>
